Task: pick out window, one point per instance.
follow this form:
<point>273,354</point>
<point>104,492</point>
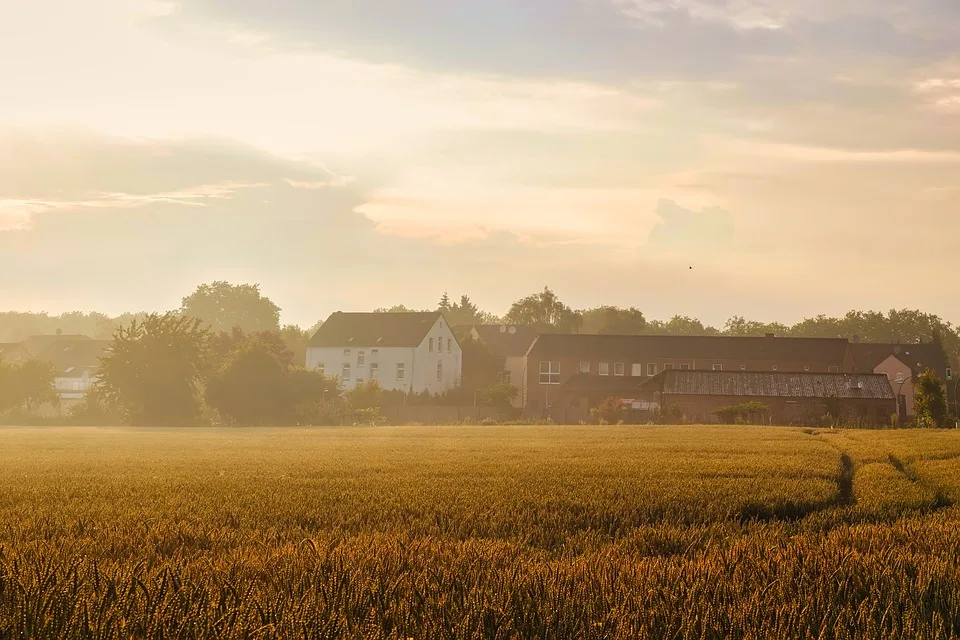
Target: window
<point>685,367</point>
<point>505,377</point>
<point>374,353</point>
<point>584,367</point>
<point>549,372</point>
<point>345,374</point>
<point>346,353</point>
<point>669,366</point>
<point>718,367</point>
<point>652,369</point>
<point>833,369</point>
<point>359,381</point>
<point>618,368</point>
<point>431,345</point>
<point>899,376</point>
<point>401,371</point>
<point>604,368</point>
<point>440,371</point>
<point>321,369</point>
<point>449,345</point>
<point>361,358</point>
<point>636,370</point>
<point>374,371</point>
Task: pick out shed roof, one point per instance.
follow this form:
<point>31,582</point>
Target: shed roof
<point>772,384</point>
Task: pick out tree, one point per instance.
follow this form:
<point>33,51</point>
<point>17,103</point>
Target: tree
<point>444,304</point>
<point>251,387</point>
<point>546,312</point>
<point>614,321</point>
<point>153,369</point>
<point>221,306</point>
<point>9,397</point>
<point>465,313</point>
<point>681,326</point>
<point>296,341</point>
<point>35,384</point>
<point>500,396</point>
<point>740,326</point>
<point>930,403</point>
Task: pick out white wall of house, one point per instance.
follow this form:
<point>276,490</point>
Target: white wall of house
<point>74,388</point>
<point>435,365</point>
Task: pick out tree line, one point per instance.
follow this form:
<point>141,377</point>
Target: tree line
<point>221,306</point>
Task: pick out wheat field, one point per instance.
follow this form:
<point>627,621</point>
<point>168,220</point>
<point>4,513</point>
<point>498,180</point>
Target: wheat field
<point>479,532</point>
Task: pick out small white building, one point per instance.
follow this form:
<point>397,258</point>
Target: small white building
<point>409,352</point>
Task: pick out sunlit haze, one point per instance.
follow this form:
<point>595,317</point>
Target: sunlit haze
<point>803,156</point>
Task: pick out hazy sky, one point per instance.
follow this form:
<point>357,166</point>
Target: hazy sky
<point>802,155</point>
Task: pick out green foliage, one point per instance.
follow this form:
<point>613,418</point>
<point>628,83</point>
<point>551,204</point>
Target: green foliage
<point>680,326</point>
<point>480,369</point>
<point>252,387</point>
<point>545,311</point>
<point>500,396</point>
<point>614,321</point>
<point>35,384</point>
<point>610,411</point>
<point>752,412</point>
<point>930,400</point>
<point>221,306</point>
<point>153,368</point>
<point>27,385</point>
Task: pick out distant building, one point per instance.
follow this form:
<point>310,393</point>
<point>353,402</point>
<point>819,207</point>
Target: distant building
<point>903,364</point>
<point>510,344</point>
<point>76,359</point>
<point>790,398</point>
<point>553,359</point>
<point>409,352</point>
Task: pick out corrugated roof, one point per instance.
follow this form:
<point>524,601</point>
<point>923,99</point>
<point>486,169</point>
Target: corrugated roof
<point>507,340</point>
<point>702,348</point>
<point>374,329</point>
<point>773,384</point>
<point>919,357</point>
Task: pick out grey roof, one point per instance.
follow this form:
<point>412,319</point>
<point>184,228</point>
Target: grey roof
<point>73,358</point>
<point>374,329</point>
<point>636,348</point>
<point>919,357</point>
<point>773,384</point>
<point>507,340</point>
<point>36,345</point>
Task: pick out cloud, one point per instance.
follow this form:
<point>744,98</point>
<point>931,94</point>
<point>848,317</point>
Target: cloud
<point>689,232</point>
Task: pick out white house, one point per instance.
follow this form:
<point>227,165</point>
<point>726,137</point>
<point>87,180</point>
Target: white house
<point>410,352</point>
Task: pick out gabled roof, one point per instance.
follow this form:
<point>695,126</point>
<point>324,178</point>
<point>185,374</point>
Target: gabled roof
<point>919,357</point>
<point>375,329</point>
<point>73,358</point>
<point>705,348</point>
<point>35,345</point>
<point>772,384</point>
<point>506,340</point>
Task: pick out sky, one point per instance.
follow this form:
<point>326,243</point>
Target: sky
<point>802,156</point>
